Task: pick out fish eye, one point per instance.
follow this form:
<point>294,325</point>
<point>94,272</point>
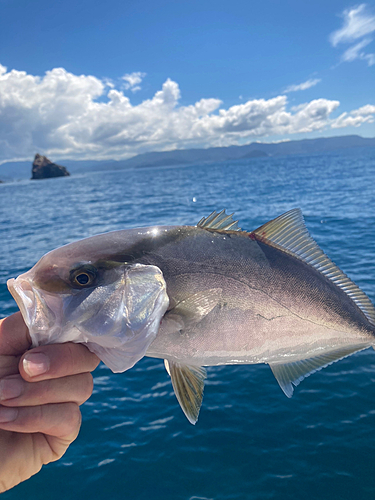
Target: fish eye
<point>84,276</point>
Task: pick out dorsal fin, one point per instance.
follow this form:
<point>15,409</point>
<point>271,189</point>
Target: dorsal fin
<point>289,233</point>
<point>220,221</point>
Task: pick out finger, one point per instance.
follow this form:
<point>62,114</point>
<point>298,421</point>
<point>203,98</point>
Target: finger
<point>8,365</point>
<point>14,335</point>
<point>58,420</point>
<point>15,391</point>
<point>55,361</point>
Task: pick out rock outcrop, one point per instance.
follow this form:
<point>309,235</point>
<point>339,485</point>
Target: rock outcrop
<point>43,168</point>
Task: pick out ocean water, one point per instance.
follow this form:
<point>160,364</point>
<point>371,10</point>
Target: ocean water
<point>250,442</point>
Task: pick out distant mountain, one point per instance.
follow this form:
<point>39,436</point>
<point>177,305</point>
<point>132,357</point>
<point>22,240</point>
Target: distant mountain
<point>187,156</point>
<point>22,170</point>
<point>254,154</point>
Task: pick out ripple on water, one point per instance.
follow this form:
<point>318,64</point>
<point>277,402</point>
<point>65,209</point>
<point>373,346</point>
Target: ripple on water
<point>250,442</point>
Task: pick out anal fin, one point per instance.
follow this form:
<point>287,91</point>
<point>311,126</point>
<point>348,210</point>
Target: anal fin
<point>188,385</point>
<point>291,374</point>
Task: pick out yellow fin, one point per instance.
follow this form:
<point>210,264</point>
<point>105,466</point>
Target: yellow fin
<point>188,385</point>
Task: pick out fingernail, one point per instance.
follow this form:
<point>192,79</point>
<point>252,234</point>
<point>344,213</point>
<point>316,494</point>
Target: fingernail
<point>35,363</point>
<point>11,388</point>
<point>7,414</point>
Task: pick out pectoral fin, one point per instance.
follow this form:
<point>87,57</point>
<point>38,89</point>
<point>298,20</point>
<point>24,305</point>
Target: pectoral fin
<point>194,308</point>
<point>188,385</point>
<point>289,374</point>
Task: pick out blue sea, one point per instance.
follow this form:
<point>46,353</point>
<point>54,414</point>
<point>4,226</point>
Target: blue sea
<point>250,442</point>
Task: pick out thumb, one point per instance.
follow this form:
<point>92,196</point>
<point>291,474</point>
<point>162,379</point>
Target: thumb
<point>14,335</point>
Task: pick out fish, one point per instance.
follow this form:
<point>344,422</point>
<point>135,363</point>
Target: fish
<point>196,296</point>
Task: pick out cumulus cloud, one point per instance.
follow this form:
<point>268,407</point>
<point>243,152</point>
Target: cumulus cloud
<point>81,116</point>
<point>358,24</point>
<point>302,86</point>
<point>132,81</point>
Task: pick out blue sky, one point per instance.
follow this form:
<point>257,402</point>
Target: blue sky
<point>94,79</point>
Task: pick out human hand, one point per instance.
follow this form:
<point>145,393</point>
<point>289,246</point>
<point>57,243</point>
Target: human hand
<point>40,394</point>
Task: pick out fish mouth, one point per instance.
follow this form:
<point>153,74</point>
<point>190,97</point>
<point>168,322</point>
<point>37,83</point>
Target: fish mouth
<point>23,294</point>
<point>35,311</point>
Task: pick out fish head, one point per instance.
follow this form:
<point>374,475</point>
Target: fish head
<point>114,307</point>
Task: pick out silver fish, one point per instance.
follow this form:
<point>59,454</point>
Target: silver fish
<point>198,296</point>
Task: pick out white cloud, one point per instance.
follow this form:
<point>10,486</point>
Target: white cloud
<point>358,24</point>
<point>132,81</point>
<point>109,83</point>
<point>365,114</point>
<point>65,115</point>
<point>370,58</point>
<point>354,52</point>
<point>302,86</point>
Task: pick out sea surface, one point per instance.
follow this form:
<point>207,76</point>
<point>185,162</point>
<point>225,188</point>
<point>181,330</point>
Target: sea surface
<point>250,442</point>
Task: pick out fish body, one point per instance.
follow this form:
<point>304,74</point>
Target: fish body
<point>248,302</point>
<point>202,295</point>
